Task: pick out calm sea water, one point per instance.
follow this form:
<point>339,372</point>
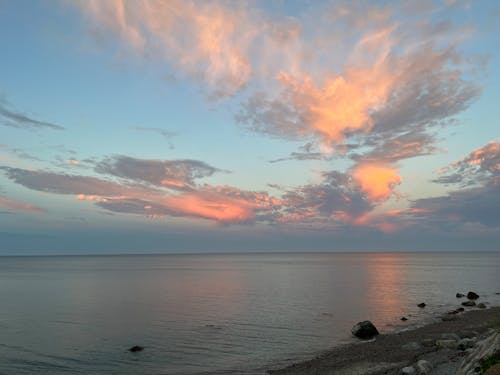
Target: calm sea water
<point>215,314</point>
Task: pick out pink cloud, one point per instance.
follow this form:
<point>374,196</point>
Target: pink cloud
<point>14,205</point>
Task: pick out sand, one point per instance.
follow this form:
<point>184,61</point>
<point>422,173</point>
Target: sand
<point>389,353</point>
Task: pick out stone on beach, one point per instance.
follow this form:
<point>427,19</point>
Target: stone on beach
<point>472,295</point>
<point>364,330</point>
<point>424,367</point>
<point>413,345</point>
<point>448,344</point>
<point>465,344</point>
<point>481,305</point>
<point>408,371</point>
<point>421,305</point>
<point>469,303</point>
<point>428,343</point>
<point>450,336</point>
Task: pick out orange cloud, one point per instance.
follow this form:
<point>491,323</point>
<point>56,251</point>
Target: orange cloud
<point>214,207</point>
<point>376,181</point>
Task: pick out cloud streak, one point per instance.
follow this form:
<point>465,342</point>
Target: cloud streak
<point>15,119</point>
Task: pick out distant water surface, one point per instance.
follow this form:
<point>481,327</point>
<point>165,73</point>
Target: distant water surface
<point>216,314</point>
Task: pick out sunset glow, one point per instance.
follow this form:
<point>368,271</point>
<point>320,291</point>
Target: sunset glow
<point>294,125</point>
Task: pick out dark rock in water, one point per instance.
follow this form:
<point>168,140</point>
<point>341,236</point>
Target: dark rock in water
<point>364,330</point>
<point>460,309</point>
<point>404,318</point>
<point>459,295</point>
<point>452,312</point>
<point>481,305</point>
<point>136,348</point>
<point>421,305</point>
<point>472,295</point>
<point>469,303</point>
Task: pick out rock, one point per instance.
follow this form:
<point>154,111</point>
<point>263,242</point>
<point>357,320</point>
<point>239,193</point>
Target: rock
<point>428,343</point>
<point>460,309</point>
<point>408,371</point>
<point>424,367</point>
<point>465,344</point>
<point>460,295</point>
<point>404,318</point>
<point>493,370</point>
<point>452,312</point>
<point>450,336</point>
<point>469,303</point>
<point>421,305</point>
<point>136,348</point>
<point>449,344</point>
<point>411,346</point>
<point>472,295</point>
<point>364,330</point>
<point>481,305</point>
<point>466,334</point>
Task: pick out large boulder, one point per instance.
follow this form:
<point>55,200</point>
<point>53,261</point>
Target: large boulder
<point>365,330</point>
<point>472,295</point>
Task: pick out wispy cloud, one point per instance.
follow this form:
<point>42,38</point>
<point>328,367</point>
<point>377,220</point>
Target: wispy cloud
<point>209,41</point>
<point>12,118</point>
<point>167,134</point>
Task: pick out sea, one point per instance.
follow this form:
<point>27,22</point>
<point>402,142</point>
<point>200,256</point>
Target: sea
<point>213,314</point>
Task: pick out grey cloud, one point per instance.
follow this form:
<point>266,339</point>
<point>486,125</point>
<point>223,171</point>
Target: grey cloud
<point>163,132</point>
<point>174,174</point>
<point>62,183</point>
<point>167,134</point>
<point>333,197</point>
<point>12,118</point>
<point>475,205</point>
<point>479,167</point>
<point>399,147</point>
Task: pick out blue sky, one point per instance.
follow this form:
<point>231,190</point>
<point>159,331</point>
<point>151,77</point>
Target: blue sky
<point>248,126</point>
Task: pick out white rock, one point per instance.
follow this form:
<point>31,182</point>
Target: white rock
<point>408,371</point>
<point>424,367</point>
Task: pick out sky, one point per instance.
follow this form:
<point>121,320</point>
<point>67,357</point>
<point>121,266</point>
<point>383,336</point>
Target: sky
<point>231,126</point>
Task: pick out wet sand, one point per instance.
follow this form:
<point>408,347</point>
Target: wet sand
<point>389,353</point>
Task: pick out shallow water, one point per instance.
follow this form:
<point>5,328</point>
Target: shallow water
<point>216,314</point>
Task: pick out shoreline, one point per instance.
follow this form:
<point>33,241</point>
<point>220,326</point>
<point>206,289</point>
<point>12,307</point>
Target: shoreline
<point>390,353</point>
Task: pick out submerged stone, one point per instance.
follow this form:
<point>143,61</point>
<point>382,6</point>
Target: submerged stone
<point>136,348</point>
